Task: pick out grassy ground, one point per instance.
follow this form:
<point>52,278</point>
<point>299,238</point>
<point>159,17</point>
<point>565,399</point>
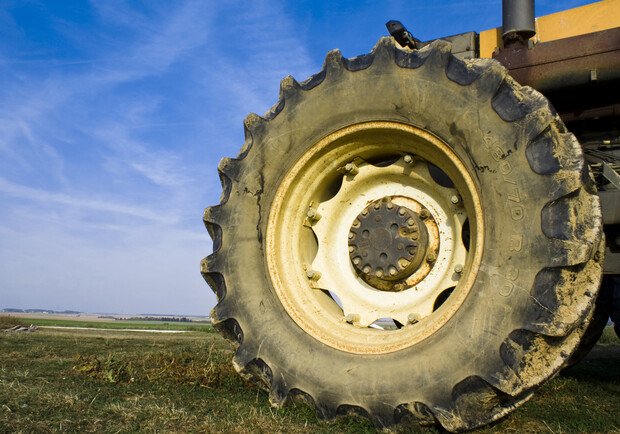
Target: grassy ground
<point>88,381</point>
<point>120,324</point>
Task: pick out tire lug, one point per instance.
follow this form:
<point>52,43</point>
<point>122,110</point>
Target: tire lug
<point>424,214</point>
<point>458,268</point>
<point>456,200</point>
<point>366,269</point>
<point>351,249</point>
<point>357,260</point>
<point>351,235</point>
<point>409,159</point>
<point>431,257</point>
<point>392,270</point>
<point>401,211</point>
<point>379,273</point>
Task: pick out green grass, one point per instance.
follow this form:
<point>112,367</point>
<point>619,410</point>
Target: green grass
<point>7,322</point>
<point>120,324</point>
<point>102,380</point>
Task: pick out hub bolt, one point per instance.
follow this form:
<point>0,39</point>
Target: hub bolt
<point>351,168</point>
<point>413,318</point>
<point>352,317</point>
<point>313,275</point>
<point>424,214</point>
<point>431,257</point>
<point>458,268</point>
<point>313,215</point>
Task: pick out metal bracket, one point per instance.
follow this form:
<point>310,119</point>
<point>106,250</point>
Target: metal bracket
<point>611,175</point>
<point>402,36</point>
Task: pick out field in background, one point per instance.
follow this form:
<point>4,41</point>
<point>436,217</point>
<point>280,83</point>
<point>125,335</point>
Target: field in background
<point>110,380</point>
<point>97,321</point>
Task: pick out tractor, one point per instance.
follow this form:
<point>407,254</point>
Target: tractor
<point>428,232</point>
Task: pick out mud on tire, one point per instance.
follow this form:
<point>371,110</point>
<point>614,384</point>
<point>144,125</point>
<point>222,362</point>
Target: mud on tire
<point>483,318</point>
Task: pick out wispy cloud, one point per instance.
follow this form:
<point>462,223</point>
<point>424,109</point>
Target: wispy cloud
<point>33,194</point>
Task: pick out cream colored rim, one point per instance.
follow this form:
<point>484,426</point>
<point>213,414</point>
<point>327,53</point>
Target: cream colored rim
<point>307,247</point>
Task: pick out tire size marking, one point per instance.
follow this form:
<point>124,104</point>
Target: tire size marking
<point>514,199</point>
<point>517,213</point>
<point>512,273</point>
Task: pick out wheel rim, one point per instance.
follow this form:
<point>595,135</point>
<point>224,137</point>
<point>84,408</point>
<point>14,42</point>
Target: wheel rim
<point>318,233</point>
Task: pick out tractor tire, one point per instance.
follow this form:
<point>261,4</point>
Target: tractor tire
<point>405,236</point>
<point>600,318</point>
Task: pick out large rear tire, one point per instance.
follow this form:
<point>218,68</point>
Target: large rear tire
<point>414,189</point>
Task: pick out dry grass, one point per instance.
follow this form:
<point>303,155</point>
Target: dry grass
<point>87,381</point>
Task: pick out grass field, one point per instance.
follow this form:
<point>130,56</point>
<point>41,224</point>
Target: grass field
<point>144,325</point>
<point>110,380</point>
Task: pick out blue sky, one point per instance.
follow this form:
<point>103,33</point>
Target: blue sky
<point>114,115</point>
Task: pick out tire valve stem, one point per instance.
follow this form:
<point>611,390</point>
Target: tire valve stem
<point>313,275</point>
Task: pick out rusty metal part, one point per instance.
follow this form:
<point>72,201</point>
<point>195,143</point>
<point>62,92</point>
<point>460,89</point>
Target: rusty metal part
<point>564,63</point>
<point>387,243</point>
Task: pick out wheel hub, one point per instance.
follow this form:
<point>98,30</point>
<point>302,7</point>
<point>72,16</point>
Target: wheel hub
<point>387,243</point>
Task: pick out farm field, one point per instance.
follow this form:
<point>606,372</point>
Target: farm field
<point>111,380</point>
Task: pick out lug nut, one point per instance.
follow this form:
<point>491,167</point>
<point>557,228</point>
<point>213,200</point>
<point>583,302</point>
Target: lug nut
<point>413,318</point>
<point>458,268</point>
<point>357,260</point>
<point>313,215</point>
<point>392,270</point>
<point>366,269</point>
<point>401,211</point>
<point>424,214</point>
<point>408,159</point>
<point>410,222</point>
<point>404,263</point>
<point>379,273</point>
<point>351,235</point>
<point>351,168</point>
<point>431,257</point>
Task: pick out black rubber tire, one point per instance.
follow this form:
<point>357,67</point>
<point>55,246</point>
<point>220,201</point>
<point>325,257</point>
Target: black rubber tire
<point>496,350</point>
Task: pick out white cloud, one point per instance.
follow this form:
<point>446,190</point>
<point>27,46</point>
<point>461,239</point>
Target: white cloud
<point>32,194</point>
